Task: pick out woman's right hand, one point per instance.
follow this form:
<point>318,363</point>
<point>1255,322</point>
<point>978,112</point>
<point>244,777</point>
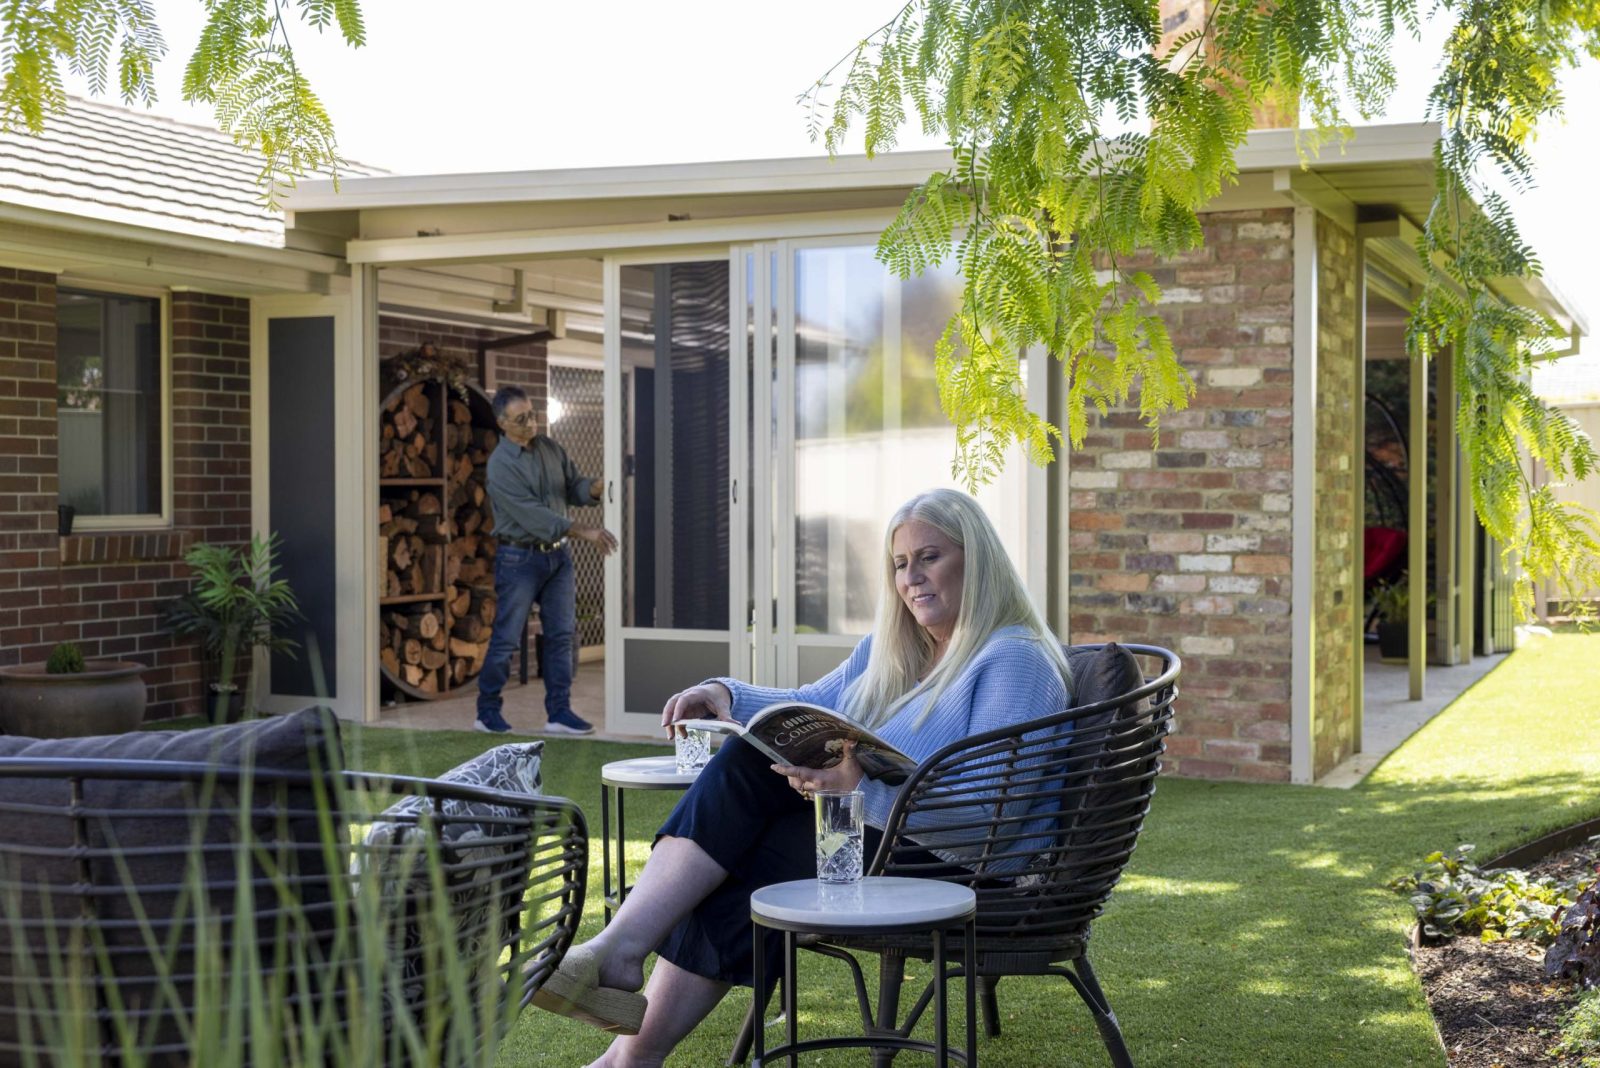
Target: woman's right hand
<point>709,700</point>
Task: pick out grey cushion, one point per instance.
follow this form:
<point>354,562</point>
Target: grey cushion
<point>153,826</point>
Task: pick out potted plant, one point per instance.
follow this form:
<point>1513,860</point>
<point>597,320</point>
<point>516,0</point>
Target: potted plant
<point>68,696</point>
<point>1393,604</point>
<point>238,605</point>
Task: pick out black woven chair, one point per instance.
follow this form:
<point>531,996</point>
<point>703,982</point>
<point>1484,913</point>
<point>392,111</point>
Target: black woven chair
<point>1057,803</point>
<point>130,890</point>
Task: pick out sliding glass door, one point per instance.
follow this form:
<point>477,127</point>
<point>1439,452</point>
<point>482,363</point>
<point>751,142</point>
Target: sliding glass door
<point>674,422</point>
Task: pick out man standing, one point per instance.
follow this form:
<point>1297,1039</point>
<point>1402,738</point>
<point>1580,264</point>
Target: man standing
<point>531,482</point>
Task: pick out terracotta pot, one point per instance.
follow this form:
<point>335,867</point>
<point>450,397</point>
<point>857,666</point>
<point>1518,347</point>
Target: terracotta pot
<point>107,697</point>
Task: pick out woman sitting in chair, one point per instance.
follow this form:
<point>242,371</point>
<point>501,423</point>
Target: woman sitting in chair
<point>959,649</point>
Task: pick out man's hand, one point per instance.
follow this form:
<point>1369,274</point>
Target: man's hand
<point>599,537</point>
<point>709,700</point>
<point>845,775</point>
<point>594,488</point>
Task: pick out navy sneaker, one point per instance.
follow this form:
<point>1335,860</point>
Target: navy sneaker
<point>567,723</point>
<point>493,723</point>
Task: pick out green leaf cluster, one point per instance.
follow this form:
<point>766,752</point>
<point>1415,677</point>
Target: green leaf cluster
<point>65,659</point>
<point>1051,221</point>
<point>1452,896</point>
<point>238,604</point>
<point>244,66</point>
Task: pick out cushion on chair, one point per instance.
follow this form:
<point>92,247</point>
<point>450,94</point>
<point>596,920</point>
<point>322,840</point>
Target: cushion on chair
<point>151,835</point>
<point>474,861</point>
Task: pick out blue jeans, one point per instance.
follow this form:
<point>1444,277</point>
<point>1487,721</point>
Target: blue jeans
<point>521,577</point>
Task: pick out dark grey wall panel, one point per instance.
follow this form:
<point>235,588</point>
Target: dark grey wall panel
<point>300,455</point>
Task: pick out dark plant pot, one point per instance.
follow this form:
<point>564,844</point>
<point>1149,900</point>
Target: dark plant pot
<point>1392,640</point>
<point>64,515</point>
<point>224,706</point>
<point>107,697</point>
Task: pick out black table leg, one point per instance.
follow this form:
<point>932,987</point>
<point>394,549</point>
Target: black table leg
<point>970,952</point>
<point>791,1010</point>
<point>622,847</point>
<point>759,975</point>
<point>941,1008</point>
<point>605,854</point>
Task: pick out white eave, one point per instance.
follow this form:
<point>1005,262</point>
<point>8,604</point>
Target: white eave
<point>1263,150</point>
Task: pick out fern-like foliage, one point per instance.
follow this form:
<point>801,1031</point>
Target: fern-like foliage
<point>243,65</point>
<point>1048,218</point>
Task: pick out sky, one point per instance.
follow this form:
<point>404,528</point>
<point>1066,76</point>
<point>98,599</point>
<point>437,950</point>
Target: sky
<point>512,85</point>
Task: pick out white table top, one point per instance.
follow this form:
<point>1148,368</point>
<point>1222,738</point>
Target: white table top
<point>657,771</point>
<point>876,901</point>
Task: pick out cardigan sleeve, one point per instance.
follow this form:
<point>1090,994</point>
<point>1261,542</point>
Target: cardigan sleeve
<point>827,691</point>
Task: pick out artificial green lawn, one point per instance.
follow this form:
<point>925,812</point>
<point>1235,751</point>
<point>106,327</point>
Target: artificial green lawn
<point>1253,926</point>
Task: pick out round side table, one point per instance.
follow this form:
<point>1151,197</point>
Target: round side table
<point>876,905</point>
<point>640,773</point>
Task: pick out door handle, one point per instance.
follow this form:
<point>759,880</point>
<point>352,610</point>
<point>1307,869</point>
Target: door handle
<point>611,492</point>
<point>735,491</point>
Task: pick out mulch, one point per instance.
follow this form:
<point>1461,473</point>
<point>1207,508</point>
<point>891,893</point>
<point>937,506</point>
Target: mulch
<point>1493,1005</point>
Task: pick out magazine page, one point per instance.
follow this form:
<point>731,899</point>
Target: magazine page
<point>810,736</point>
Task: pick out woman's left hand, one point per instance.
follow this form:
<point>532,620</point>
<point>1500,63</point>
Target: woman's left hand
<point>845,775</point>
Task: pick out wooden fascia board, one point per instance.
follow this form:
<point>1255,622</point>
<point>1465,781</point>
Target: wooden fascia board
<point>1308,187</point>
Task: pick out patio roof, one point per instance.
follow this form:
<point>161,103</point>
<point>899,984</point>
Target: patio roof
<point>516,218</point>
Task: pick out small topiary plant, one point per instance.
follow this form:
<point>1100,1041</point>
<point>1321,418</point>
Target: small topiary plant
<point>65,659</point>
<point>1452,896</point>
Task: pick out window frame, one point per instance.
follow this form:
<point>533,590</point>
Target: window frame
<point>161,520</point>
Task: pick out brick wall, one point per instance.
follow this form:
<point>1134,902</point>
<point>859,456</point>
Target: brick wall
<point>1188,545</point>
<point>1336,593</point>
<point>105,590</point>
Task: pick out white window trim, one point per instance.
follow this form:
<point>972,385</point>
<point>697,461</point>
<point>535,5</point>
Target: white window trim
<point>94,524</point>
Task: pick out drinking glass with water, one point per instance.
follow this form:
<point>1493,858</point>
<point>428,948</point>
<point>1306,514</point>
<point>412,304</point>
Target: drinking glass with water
<point>840,815</point>
<point>691,750</point>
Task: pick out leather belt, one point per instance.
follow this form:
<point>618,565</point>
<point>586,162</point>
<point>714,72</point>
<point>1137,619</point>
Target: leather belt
<point>534,543</point>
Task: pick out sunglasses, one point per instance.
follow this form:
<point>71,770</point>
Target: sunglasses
<point>520,419</point>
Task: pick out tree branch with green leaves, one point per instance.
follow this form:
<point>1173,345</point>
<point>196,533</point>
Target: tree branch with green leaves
<point>1042,206</point>
<point>244,66</point>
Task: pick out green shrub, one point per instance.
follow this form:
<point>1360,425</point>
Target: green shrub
<point>1452,896</point>
<point>65,659</point>
<point>1580,1030</point>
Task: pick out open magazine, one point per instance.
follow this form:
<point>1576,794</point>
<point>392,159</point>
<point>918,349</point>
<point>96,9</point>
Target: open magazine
<point>810,736</point>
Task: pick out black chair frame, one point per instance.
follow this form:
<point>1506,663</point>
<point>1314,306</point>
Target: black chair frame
<point>518,884</point>
<point>1096,767</point>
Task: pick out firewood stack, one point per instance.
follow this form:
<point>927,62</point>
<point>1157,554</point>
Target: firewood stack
<point>434,521</point>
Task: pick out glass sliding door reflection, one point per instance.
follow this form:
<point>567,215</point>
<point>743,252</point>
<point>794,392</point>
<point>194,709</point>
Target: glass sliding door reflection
<point>868,434</point>
<point>675,532</point>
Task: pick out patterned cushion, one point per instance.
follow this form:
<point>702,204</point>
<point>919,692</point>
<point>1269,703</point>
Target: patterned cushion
<point>395,850</point>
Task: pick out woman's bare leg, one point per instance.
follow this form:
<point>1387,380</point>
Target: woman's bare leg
<point>678,876</point>
<point>679,1000</point>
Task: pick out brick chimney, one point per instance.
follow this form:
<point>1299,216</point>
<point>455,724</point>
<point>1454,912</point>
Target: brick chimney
<point>1179,17</point>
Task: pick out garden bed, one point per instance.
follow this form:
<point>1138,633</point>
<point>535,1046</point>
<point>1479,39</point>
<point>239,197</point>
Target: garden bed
<point>1491,1000</point>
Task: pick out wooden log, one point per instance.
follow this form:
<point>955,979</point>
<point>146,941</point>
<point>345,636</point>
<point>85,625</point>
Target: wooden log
<point>469,629</point>
<point>385,513</point>
<point>429,682</point>
<point>412,673</point>
<point>459,670</point>
<point>472,650</point>
<point>414,580</point>
<point>400,524</point>
<point>390,661</point>
<point>416,400</point>
<point>462,603</point>
<point>400,553</point>
<point>484,606</point>
<point>460,413</point>
<point>390,465</point>
<point>434,659</point>
<point>405,423</point>
<point>426,504</point>
<point>411,651</point>
<point>441,640</point>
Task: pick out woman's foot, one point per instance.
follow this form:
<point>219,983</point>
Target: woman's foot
<point>578,989</point>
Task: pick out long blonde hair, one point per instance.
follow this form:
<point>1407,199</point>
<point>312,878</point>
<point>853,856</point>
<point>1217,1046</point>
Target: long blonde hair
<point>992,596</point>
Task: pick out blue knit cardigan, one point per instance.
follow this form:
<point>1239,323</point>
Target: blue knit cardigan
<point>1010,680</point>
